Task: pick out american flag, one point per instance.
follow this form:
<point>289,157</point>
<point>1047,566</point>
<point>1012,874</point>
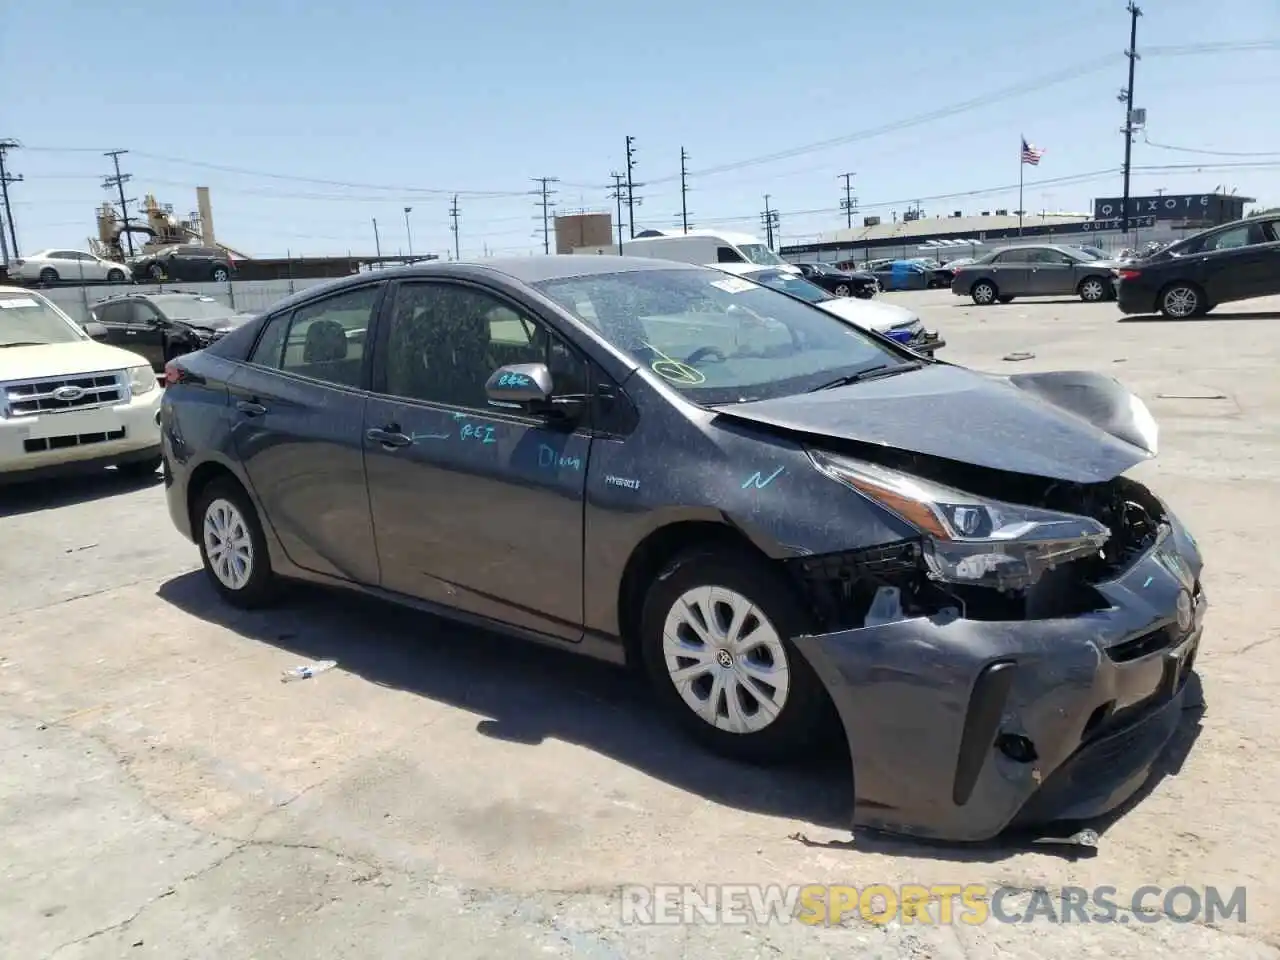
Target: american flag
<point>1030,154</point>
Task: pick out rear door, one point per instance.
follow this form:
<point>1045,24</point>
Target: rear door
<point>114,315</point>
<point>1052,272</point>
<point>475,507</point>
<point>1012,274</point>
<point>1239,263</point>
<point>299,407</point>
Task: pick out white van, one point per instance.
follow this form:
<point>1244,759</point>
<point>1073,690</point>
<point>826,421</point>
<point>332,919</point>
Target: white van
<point>699,246</point>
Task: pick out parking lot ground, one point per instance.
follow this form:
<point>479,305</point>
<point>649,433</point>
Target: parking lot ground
<point>445,793</point>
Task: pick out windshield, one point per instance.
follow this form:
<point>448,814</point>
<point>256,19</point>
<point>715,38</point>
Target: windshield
<point>29,320</point>
<point>717,338</point>
<point>192,308</point>
<point>796,286</point>
<point>759,253</point>
<point>1094,253</point>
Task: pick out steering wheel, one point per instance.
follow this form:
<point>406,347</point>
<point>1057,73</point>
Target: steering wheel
<point>702,352</point>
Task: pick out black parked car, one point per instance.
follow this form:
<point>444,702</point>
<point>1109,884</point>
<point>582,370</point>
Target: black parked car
<point>161,326</point>
<point>1189,278</point>
<point>772,512</point>
<point>185,262</point>
<point>843,283</point>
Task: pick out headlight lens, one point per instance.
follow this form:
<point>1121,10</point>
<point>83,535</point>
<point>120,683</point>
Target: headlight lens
<point>141,380</point>
<point>971,539</point>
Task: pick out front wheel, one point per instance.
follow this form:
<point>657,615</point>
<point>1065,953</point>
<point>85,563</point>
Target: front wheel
<point>115,276</point>
<point>841,290</point>
<point>1182,300</point>
<point>983,293</point>
<point>156,272</point>
<point>220,274</point>
<point>233,547</point>
<point>1092,290</point>
<point>716,643</point>
<point>48,275</point>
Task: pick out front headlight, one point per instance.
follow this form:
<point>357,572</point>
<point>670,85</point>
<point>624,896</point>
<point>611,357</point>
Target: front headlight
<point>971,539</point>
<point>141,380</point>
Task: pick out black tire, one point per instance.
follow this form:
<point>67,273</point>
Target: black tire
<point>220,274</point>
<point>1004,298</point>
<point>48,275</point>
<point>1181,301</point>
<point>155,272</point>
<point>841,290</point>
<point>116,276</point>
<point>138,469</point>
<point>984,293</point>
<point>795,732</point>
<point>1093,289</point>
<point>261,587</point>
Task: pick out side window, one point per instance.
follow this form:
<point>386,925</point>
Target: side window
<point>111,313</point>
<point>446,340</point>
<point>325,339</point>
<point>270,346</point>
<point>729,255</point>
<point>1245,235</point>
<point>1012,256</point>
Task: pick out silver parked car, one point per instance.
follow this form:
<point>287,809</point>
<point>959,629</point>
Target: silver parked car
<point>1047,270</point>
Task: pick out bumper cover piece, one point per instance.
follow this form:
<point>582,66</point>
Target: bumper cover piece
<point>959,729</point>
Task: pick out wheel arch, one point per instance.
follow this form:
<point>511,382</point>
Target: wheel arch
<point>990,281</point>
<point>206,474</point>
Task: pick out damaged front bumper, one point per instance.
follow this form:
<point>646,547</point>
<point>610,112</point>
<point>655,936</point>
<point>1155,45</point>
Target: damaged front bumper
<point>960,728</point>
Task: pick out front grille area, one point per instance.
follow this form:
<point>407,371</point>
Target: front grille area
<point>25,398</point>
<point>71,440</point>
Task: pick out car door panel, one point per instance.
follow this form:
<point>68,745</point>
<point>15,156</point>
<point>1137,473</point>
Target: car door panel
<point>474,507</point>
<point>147,332</point>
<point>115,318</point>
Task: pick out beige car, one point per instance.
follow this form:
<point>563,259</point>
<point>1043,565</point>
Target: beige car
<point>67,402</point>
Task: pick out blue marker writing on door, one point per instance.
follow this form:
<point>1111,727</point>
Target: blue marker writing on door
<point>760,481</point>
<point>550,459</point>
<point>479,432</point>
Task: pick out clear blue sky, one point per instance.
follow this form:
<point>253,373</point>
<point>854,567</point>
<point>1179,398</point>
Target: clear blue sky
<point>411,97</point>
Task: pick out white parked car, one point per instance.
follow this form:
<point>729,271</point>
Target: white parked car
<point>67,402</point>
<point>888,319</point>
<point>51,266</point>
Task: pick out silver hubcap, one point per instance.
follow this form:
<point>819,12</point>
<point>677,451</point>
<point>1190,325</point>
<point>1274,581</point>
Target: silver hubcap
<point>842,291</point>
<point>726,659</point>
<point>1180,302</point>
<point>984,294</point>
<point>1093,290</point>
<point>227,544</point>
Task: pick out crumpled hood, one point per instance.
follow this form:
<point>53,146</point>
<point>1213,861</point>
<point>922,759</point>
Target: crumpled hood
<point>64,360</point>
<point>221,323</point>
<point>1076,426</point>
<point>868,314</point>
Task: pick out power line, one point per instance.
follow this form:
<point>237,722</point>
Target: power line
<point>7,178</point>
<point>454,213</point>
<point>118,181</point>
<point>1209,153</point>
<point>546,204</point>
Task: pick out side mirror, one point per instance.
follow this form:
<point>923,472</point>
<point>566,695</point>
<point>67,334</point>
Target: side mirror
<point>95,330</point>
<point>520,385</point>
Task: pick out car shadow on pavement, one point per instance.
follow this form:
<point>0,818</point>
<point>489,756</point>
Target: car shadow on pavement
<point>31,496</point>
<point>1208,318</point>
<point>530,693</point>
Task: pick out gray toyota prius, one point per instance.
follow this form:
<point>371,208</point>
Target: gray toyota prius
<point>802,532</point>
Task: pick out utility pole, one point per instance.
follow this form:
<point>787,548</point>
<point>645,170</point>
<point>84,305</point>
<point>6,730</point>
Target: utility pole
<point>684,189</point>
<point>454,212</point>
<point>377,241</point>
<point>546,204</point>
<point>770,220</point>
<point>850,201</point>
<point>619,192</point>
<point>407,231</point>
<point>631,186</point>
<point>118,181</point>
<point>1126,95</point>
<point>7,178</point>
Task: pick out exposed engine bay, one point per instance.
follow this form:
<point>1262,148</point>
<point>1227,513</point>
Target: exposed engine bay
<point>843,587</point>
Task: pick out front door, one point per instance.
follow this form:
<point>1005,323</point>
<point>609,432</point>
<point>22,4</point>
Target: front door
<point>146,332</point>
<point>475,507</point>
<point>299,433</point>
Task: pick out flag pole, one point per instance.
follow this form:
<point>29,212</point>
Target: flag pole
<point>1021,164</point>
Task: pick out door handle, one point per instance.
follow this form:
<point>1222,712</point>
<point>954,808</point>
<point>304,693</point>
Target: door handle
<point>390,437</point>
<point>251,409</point>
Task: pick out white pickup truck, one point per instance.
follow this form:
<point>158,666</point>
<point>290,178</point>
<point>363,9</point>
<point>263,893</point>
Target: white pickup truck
<point>67,402</point>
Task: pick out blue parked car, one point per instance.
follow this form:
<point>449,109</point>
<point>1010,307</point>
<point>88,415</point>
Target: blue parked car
<point>903,275</point>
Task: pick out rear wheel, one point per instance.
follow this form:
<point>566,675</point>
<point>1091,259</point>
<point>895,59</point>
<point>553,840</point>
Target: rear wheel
<point>715,636</point>
<point>1183,300</point>
<point>220,274</point>
<point>156,272</point>
<point>48,275</point>
<point>983,293</point>
<point>115,276</point>
<point>1092,290</point>
<point>232,545</point>
<point>841,290</point>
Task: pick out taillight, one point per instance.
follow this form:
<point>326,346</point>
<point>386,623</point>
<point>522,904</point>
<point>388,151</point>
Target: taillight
<point>1128,274</point>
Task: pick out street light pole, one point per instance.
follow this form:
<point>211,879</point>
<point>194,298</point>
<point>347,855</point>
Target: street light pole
<point>407,231</point>
<point>377,242</point>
